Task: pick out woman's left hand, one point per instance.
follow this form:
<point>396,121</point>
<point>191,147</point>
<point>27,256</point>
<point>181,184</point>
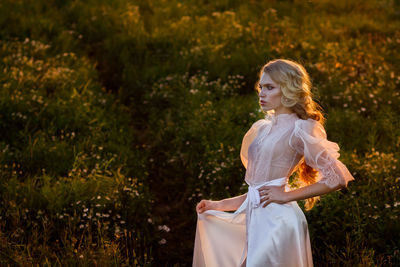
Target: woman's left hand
<point>275,194</point>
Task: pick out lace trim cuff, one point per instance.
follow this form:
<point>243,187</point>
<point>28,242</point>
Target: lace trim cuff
<point>330,177</point>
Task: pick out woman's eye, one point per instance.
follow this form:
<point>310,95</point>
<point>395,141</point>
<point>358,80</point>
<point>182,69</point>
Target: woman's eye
<point>268,87</point>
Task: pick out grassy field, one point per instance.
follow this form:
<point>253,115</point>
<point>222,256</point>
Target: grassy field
<point>117,117</point>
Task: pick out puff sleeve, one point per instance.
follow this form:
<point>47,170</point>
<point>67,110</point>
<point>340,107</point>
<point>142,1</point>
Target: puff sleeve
<point>248,138</point>
<point>309,139</point>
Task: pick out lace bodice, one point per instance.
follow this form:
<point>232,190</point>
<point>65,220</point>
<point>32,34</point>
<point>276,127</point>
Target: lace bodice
<point>273,147</point>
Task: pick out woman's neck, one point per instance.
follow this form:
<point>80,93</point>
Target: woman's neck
<point>283,110</point>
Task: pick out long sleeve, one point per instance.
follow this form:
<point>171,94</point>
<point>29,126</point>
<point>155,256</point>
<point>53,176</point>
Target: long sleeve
<point>309,139</point>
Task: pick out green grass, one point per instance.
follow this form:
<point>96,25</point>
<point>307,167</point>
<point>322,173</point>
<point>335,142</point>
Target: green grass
<point>117,117</point>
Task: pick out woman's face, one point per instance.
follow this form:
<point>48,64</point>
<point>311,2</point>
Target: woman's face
<point>269,94</point>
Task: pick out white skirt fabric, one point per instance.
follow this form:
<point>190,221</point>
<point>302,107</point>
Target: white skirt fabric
<point>253,236</point>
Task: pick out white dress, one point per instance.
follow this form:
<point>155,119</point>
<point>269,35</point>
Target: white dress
<point>276,235</point>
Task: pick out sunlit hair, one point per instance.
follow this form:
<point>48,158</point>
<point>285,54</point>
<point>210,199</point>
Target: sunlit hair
<point>295,85</point>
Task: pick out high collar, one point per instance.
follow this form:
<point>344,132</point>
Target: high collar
<point>281,117</point>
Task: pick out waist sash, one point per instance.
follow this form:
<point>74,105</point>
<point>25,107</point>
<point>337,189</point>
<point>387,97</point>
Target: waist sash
<point>254,195</point>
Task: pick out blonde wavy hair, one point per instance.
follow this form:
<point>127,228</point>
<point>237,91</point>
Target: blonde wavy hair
<point>295,85</point>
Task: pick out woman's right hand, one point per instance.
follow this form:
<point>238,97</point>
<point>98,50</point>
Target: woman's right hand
<point>204,205</point>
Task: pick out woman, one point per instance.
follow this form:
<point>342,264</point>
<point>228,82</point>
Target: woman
<point>268,228</point>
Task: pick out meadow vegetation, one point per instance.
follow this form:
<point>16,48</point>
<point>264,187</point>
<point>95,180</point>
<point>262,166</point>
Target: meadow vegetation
<point>117,117</point>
